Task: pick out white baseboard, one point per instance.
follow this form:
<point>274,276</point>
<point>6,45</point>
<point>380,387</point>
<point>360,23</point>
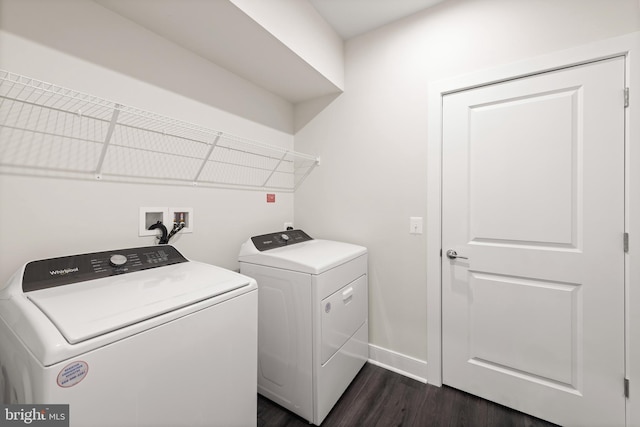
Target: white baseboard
<point>399,363</point>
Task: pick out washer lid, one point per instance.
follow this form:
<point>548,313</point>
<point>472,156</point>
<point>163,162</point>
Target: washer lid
<point>84,310</point>
<point>313,256</point>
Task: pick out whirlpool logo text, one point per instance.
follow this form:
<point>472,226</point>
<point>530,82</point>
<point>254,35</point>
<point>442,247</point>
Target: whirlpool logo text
<point>63,272</point>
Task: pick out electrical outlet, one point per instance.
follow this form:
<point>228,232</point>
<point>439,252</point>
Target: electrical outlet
<point>148,217</point>
<point>287,225</point>
<point>179,216</point>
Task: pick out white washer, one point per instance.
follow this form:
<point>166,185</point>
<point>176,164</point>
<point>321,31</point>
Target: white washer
<point>133,337</point>
<point>313,318</point>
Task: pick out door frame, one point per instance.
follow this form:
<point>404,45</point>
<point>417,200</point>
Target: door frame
<point>628,46</point>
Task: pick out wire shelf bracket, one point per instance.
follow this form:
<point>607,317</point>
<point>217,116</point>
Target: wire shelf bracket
<point>207,157</point>
<point>112,125</point>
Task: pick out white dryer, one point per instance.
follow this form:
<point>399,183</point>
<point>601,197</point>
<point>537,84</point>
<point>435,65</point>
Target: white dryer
<point>133,337</point>
<point>313,318</point>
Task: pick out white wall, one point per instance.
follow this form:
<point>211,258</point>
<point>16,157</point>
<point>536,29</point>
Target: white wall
<point>86,30</point>
<point>43,218</point>
<point>47,217</point>
<point>373,138</point>
<point>299,26</point>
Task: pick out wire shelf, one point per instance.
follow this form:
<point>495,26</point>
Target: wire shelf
<point>48,130</point>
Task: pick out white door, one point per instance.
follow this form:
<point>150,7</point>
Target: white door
<point>533,196</point>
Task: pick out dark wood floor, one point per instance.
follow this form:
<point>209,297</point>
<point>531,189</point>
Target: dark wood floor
<point>378,397</point>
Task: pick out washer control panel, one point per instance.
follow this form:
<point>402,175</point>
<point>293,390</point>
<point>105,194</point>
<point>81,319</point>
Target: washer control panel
<point>279,239</point>
<point>48,273</point>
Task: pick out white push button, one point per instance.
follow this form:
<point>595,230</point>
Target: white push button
<point>118,260</point>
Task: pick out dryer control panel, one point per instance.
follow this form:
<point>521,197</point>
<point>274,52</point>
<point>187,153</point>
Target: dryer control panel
<point>279,239</point>
<point>48,273</point>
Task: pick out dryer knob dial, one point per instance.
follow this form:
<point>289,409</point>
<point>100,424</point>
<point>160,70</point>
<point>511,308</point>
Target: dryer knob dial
<point>284,237</point>
<point>118,260</point>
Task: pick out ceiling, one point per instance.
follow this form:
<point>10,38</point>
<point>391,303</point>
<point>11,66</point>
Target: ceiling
<point>251,52</point>
<point>350,18</point>
<point>247,49</point>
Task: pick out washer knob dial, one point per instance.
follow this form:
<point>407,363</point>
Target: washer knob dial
<point>118,260</point>
<point>284,237</point>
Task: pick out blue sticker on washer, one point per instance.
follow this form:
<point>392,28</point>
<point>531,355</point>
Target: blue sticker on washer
<point>72,374</point>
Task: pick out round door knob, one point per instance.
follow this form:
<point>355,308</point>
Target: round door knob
<point>118,260</point>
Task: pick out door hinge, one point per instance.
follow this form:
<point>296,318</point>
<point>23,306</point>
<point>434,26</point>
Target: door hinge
<point>626,97</point>
<point>440,252</point>
<point>626,388</point>
<point>625,242</point>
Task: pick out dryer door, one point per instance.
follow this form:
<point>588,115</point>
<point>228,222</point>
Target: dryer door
<point>343,313</point>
